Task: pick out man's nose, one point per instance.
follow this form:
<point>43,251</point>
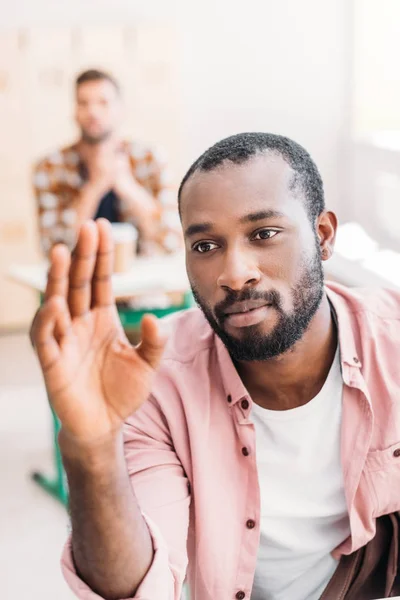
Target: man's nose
<point>239,270</point>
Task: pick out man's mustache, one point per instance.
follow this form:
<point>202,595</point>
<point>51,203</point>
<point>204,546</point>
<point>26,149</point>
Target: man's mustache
<point>271,297</point>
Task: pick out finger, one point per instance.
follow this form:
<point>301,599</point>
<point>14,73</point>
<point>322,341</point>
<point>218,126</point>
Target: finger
<point>152,342</point>
<point>57,278</point>
<point>102,292</point>
<point>81,270</point>
<point>33,325</point>
<point>53,315</point>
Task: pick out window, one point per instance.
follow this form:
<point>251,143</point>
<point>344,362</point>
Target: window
<point>375,186</point>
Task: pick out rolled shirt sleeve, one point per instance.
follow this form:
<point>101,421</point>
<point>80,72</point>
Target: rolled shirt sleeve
<point>158,583</point>
<point>150,169</point>
<point>56,188</point>
<point>162,490</point>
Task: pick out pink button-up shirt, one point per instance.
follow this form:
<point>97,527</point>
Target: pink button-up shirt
<point>190,451</point>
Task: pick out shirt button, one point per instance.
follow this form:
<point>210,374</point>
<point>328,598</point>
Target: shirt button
<point>245,451</point>
<point>240,595</point>
<point>245,406</point>
<point>356,360</point>
<point>396,453</point>
<point>250,524</point>
<point>229,398</point>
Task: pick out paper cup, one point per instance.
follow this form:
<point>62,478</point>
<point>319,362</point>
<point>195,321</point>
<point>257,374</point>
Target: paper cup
<point>125,238</point>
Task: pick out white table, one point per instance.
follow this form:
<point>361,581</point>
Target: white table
<point>163,274</point>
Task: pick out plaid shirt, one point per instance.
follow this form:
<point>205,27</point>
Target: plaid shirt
<point>59,177</point>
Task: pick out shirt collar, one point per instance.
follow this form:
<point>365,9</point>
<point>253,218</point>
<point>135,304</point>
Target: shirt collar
<point>342,316</point>
<point>233,385</point>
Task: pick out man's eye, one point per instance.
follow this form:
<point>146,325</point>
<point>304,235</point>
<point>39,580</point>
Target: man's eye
<point>265,234</point>
<point>203,247</point>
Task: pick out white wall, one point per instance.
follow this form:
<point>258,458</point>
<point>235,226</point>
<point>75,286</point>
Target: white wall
<point>279,66</point>
<point>274,65</point>
<point>377,80</point>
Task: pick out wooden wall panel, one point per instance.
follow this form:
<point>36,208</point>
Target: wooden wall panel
<point>155,91</point>
<point>49,72</point>
<point>14,121</point>
<point>99,47</point>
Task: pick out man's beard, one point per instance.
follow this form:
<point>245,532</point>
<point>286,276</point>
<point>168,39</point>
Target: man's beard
<point>95,139</point>
<point>307,295</point>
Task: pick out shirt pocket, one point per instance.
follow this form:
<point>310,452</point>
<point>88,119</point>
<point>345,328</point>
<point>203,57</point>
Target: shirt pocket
<point>382,470</point>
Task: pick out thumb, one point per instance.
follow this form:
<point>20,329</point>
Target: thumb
<point>152,342</point>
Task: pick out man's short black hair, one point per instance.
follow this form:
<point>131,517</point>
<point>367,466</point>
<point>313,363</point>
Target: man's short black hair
<point>239,148</point>
<point>96,75</point>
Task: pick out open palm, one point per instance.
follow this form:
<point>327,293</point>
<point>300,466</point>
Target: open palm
<point>95,379</point>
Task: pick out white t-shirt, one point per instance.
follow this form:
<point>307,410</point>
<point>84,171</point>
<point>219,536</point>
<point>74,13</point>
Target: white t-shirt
<point>303,508</point>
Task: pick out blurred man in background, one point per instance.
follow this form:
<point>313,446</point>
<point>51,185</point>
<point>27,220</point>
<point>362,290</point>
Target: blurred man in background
<point>102,175</point>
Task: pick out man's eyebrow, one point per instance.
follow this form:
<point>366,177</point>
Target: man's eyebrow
<point>198,228</point>
<point>260,215</point>
<point>250,218</point>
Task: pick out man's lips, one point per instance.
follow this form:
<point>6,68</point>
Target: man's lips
<point>245,314</point>
<point>245,306</point>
